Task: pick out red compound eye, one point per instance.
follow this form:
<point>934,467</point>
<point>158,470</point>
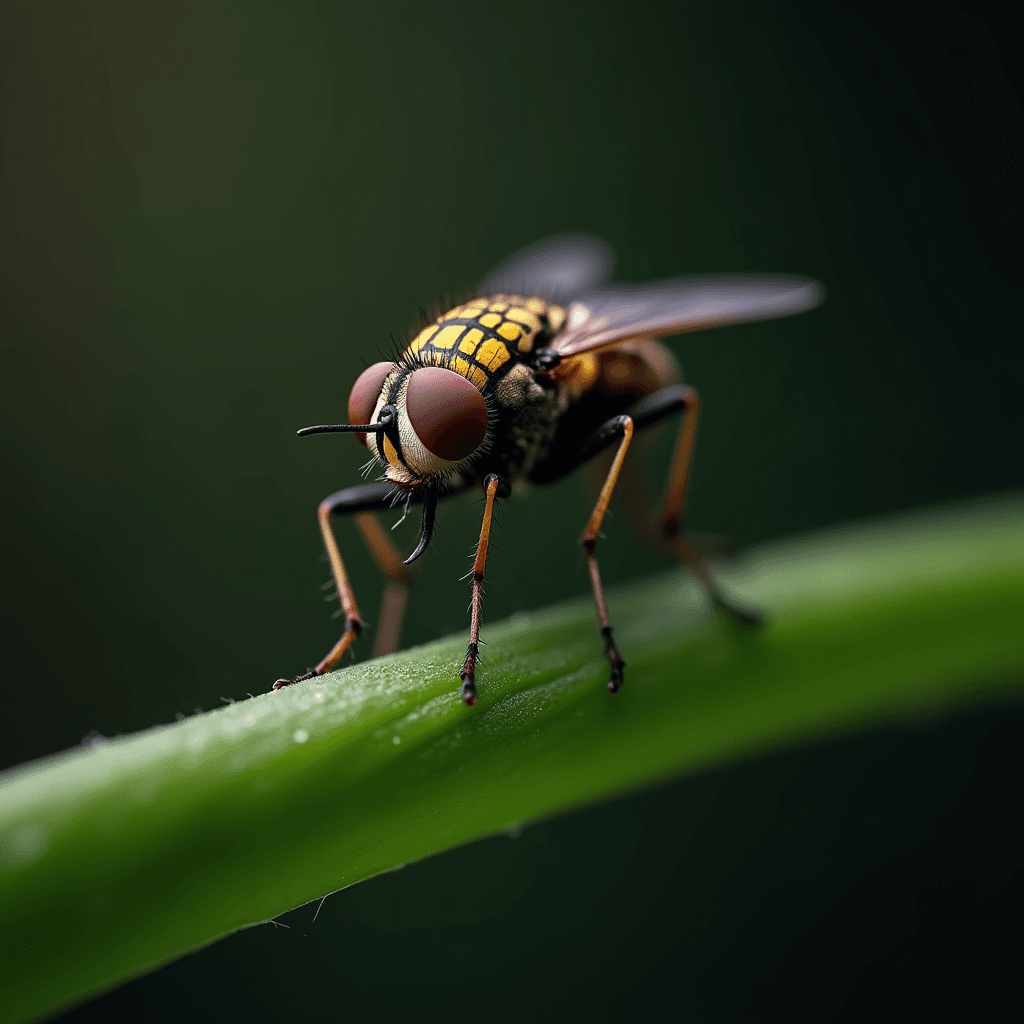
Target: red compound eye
<point>362,399</point>
<point>447,412</point>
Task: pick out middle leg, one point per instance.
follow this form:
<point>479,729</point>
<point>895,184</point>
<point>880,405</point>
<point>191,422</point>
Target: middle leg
<point>677,398</point>
<point>396,590</point>
<point>621,426</point>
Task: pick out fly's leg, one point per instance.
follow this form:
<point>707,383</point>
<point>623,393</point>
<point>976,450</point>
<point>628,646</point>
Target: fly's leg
<point>360,500</point>
<point>675,497</point>
<point>622,427</point>
<point>644,413</point>
<point>396,592</point>
<point>494,487</point>
<point>353,620</point>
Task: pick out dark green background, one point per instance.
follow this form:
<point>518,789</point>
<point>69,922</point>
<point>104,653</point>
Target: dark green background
<point>216,213</point>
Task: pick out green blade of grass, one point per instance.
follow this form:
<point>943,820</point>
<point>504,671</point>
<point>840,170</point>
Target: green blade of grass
<point>117,858</point>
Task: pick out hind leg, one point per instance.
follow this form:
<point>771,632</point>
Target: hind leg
<point>686,399</point>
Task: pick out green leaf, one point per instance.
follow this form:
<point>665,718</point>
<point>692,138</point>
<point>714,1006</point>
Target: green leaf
<point>122,856</point>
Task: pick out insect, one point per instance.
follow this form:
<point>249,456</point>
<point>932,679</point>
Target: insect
<point>548,367</point>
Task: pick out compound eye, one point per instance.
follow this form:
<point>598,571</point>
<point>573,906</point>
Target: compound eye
<point>362,399</point>
<point>447,412</point>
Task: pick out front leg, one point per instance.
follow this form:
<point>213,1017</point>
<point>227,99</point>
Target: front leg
<point>494,487</point>
<point>353,620</point>
<point>360,499</point>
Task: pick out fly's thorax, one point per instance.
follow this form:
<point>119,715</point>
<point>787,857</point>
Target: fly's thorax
<point>485,338</point>
<point>527,410</point>
<point>518,389</point>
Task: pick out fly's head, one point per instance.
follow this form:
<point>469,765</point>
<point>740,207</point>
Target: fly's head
<point>425,421</point>
<point>421,423</point>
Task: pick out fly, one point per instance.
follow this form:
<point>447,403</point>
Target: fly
<point>548,367</point>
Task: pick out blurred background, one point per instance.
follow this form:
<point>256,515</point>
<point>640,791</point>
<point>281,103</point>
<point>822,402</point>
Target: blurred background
<point>217,214</point>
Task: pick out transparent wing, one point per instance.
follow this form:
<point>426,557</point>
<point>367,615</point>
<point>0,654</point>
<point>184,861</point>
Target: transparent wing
<point>558,268</point>
<point>673,306</point>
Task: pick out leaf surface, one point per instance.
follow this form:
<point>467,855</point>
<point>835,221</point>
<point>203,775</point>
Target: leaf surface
<point>119,857</point>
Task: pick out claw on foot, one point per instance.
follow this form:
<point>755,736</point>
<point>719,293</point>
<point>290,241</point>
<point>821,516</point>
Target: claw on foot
<point>616,680</point>
<point>298,679</point>
<point>468,674</point>
<point>611,652</point>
